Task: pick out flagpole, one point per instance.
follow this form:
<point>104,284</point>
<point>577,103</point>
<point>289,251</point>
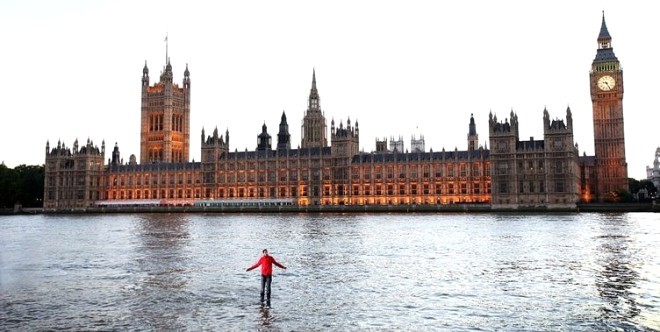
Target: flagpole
<point>167,57</point>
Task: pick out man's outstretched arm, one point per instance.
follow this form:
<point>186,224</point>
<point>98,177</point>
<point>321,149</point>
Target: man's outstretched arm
<point>278,264</point>
<point>254,266</point>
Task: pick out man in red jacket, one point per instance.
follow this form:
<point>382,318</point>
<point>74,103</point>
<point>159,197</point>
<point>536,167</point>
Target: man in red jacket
<point>266,263</point>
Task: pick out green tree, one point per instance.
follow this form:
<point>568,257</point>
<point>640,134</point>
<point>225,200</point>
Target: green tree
<point>24,185</point>
<point>648,185</point>
<point>32,185</point>
<point>633,185</point>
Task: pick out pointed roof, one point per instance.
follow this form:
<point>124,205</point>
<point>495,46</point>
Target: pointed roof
<point>473,126</point>
<point>605,52</point>
<point>314,92</point>
<point>604,34</point>
<point>313,78</point>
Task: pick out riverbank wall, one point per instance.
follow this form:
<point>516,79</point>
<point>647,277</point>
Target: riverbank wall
<point>448,208</point>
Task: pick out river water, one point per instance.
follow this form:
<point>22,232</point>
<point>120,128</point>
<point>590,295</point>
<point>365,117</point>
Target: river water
<point>453,272</point>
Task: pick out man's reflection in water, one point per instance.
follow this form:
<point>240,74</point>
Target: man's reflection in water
<point>266,318</point>
<point>618,274</point>
<point>162,270</point>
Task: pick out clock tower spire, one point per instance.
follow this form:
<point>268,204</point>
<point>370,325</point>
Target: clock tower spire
<point>606,80</point>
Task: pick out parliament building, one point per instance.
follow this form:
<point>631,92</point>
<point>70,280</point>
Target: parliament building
<point>512,174</point>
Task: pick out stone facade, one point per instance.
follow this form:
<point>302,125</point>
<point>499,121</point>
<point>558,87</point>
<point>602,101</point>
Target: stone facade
<point>536,172</point>
<point>513,174</point>
<point>74,177</point>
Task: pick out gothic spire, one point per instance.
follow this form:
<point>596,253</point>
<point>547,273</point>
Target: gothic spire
<point>145,75</point>
<point>605,53</point>
<point>604,34</point>
<point>472,127</point>
<point>314,99</point>
<point>283,136</point>
<point>314,76</point>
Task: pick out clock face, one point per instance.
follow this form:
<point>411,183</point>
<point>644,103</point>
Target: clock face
<point>606,83</point>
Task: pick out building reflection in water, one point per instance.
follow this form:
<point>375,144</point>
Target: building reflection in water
<point>161,270</point>
<point>617,275</point>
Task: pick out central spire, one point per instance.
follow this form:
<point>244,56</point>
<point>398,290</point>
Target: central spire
<point>314,128</point>
<point>314,103</point>
<point>314,79</point>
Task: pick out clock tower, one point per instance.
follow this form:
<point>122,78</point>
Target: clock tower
<point>606,80</point>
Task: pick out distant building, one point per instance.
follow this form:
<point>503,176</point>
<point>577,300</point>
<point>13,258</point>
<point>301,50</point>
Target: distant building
<point>653,173</point>
<point>396,145</point>
<point>417,145</point>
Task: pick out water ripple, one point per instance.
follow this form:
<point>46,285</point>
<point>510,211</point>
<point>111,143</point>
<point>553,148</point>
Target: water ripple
<point>578,272</point>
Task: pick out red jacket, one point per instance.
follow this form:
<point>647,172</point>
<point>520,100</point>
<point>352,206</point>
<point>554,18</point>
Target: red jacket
<point>266,263</point>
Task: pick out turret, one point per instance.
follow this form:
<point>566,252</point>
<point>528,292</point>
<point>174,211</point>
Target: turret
<point>345,141</point>
<point>145,76</point>
<point>167,76</point>
<point>116,160</point>
<point>473,138</point>
<point>186,78</point>
<point>263,139</point>
<point>283,136</point>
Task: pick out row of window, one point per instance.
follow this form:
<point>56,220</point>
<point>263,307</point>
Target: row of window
<point>530,187</point>
<point>180,179</point>
<point>529,167</point>
<point>288,192</point>
<point>404,167</point>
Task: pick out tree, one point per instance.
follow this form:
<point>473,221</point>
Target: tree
<point>24,185</point>
<point>636,185</point>
<point>648,185</point>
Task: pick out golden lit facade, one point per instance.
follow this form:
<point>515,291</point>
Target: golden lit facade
<point>513,174</point>
<point>340,174</point>
<point>165,118</point>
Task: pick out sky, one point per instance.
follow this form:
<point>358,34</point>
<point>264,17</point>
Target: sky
<point>72,69</point>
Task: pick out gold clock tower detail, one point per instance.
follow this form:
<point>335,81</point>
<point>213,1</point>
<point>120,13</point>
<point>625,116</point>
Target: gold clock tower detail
<point>606,79</point>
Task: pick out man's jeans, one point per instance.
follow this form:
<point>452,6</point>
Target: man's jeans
<point>265,286</point>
